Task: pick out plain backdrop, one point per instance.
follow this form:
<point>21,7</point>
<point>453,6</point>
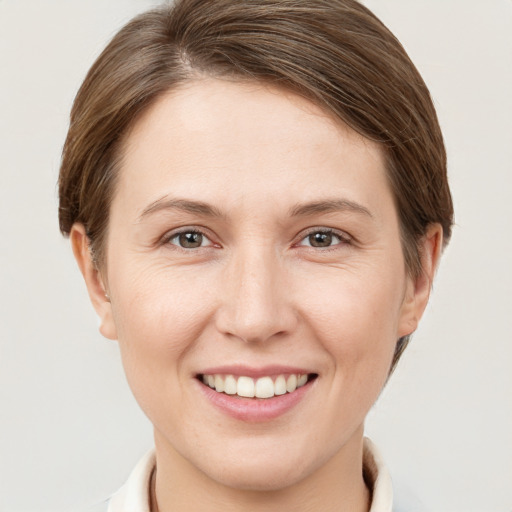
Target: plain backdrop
<point>70,432</point>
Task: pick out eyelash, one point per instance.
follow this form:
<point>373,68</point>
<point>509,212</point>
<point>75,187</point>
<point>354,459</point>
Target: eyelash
<point>342,237</point>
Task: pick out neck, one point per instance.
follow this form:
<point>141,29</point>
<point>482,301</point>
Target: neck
<point>337,486</point>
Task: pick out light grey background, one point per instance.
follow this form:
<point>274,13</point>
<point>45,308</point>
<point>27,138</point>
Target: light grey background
<point>70,430</point>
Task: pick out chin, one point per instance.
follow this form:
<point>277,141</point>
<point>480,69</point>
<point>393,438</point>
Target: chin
<point>271,477</point>
<point>260,468</point>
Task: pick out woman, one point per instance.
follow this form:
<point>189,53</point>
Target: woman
<point>256,196</point>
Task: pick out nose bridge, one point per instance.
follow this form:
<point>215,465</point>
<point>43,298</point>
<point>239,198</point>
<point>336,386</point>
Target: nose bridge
<point>255,306</point>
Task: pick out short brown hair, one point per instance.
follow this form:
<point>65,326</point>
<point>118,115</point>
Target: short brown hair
<point>335,53</point>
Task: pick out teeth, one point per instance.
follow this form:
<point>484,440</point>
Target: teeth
<point>230,385</point>
<point>219,383</point>
<point>280,385</point>
<point>291,383</point>
<point>300,381</point>
<point>245,387</point>
<point>264,387</point>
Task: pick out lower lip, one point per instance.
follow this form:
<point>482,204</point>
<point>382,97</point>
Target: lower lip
<point>255,410</point>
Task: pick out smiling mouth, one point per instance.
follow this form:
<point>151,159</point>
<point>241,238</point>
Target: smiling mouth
<point>263,387</point>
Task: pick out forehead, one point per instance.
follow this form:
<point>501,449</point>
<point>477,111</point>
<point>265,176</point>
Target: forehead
<point>227,139</point>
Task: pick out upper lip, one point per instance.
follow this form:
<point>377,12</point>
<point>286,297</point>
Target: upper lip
<point>250,371</point>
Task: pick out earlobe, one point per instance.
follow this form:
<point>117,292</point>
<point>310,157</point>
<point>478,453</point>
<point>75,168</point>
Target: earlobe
<point>418,288</point>
<point>96,286</point>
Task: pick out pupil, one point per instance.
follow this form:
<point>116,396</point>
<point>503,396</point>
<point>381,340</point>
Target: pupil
<point>191,240</point>
<point>320,239</point>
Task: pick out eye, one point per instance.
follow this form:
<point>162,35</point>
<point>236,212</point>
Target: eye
<point>189,239</point>
<point>324,238</point>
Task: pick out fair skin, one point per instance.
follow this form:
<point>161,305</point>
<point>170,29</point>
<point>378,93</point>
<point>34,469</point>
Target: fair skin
<point>292,264</point>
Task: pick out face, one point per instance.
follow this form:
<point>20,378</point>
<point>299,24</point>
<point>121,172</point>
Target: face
<point>254,247</point>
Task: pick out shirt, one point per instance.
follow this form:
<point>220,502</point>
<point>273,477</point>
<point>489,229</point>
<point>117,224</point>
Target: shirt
<point>134,495</point>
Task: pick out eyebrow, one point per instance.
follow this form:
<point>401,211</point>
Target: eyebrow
<point>299,210</point>
<point>328,206</point>
<point>184,205</point>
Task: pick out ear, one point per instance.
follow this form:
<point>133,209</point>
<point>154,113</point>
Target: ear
<point>93,280</point>
<point>418,288</point>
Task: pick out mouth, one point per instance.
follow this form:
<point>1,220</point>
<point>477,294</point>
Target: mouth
<point>264,387</point>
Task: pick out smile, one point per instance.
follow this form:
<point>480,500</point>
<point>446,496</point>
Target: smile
<point>262,387</point>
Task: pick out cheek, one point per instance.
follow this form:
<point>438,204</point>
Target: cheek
<point>160,305</point>
<point>355,317</point>
<point>159,316</point>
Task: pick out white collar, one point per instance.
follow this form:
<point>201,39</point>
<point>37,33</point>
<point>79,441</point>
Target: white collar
<point>134,495</point>
<point>377,478</point>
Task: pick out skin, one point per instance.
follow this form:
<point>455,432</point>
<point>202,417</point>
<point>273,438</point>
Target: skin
<point>255,293</point>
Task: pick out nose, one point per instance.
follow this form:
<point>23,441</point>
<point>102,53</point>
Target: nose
<point>256,305</point>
